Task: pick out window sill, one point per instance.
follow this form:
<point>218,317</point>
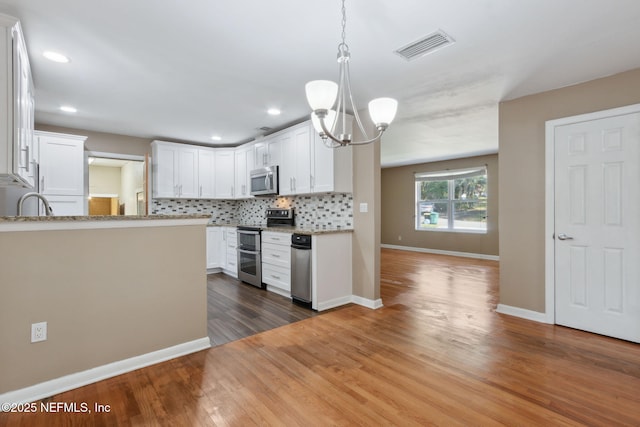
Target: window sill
<point>448,230</point>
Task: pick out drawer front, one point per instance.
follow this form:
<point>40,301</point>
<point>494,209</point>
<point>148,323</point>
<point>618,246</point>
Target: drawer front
<point>232,259</point>
<point>276,255</point>
<point>276,238</point>
<point>231,237</point>
<point>279,277</point>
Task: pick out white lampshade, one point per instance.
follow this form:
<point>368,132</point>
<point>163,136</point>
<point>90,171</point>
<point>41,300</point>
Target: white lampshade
<point>383,110</point>
<point>329,121</point>
<point>321,94</point>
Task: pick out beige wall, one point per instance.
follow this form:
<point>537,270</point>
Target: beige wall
<point>398,209</point>
<point>104,180</point>
<point>107,295</point>
<point>105,142</point>
<point>522,177</point>
<point>366,226</point>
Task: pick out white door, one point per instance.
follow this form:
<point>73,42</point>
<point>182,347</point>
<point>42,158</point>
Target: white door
<point>597,233</point>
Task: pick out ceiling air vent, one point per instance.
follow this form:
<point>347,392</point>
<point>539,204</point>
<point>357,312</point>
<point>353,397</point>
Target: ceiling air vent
<point>265,128</point>
<point>425,45</point>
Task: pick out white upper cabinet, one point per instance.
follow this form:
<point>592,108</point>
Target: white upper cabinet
<point>164,157</point>
<point>175,170</point>
<point>225,174</point>
<point>244,162</point>
<point>61,164</point>
<point>17,150</point>
<point>331,168</point>
<point>206,173</point>
<point>306,165</point>
<point>188,187</point>
<point>267,151</point>
<point>295,167</point>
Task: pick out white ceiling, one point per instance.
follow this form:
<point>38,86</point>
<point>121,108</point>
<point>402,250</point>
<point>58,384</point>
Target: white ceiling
<point>186,70</point>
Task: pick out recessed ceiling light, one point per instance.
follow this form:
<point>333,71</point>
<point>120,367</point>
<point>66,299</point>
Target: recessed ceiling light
<point>273,112</point>
<point>55,57</point>
<point>216,138</point>
<point>68,109</point>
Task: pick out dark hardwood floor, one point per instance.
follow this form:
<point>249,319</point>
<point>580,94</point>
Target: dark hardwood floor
<point>237,310</point>
<point>435,354</point>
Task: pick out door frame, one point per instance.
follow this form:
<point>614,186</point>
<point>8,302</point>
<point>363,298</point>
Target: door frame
<point>549,219</point>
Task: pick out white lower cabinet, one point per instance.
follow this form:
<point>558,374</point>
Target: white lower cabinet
<point>276,261</point>
<point>231,244</point>
<point>215,247</point>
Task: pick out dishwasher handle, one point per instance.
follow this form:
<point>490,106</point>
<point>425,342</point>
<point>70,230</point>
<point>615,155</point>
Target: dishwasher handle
<point>301,247</point>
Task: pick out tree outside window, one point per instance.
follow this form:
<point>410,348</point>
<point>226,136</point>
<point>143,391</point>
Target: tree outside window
<point>452,200</point>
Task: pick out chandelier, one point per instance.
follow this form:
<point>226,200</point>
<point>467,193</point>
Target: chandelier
<point>333,123</point>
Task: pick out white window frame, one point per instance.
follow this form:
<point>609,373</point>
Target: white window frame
<point>450,176</point>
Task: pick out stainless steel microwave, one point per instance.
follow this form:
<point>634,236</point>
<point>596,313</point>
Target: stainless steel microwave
<point>264,181</point>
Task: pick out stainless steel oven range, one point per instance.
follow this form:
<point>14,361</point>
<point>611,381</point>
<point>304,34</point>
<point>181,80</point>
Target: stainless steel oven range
<point>249,260</point>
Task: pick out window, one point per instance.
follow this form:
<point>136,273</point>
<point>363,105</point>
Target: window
<point>454,200</point>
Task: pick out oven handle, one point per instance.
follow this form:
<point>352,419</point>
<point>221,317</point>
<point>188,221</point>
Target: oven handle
<point>248,232</point>
<point>244,251</point>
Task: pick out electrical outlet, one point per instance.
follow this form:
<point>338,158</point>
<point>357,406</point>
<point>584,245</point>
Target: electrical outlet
<point>400,237</point>
<point>39,332</point>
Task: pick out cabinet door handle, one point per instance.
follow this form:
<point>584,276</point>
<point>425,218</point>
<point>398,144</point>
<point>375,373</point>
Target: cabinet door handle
<point>200,193</point>
<point>275,255</point>
<point>312,180</point>
<point>27,157</point>
<point>275,277</point>
<point>42,184</point>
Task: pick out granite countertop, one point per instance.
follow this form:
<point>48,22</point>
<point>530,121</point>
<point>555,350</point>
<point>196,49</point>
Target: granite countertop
<point>283,229</point>
<point>99,218</point>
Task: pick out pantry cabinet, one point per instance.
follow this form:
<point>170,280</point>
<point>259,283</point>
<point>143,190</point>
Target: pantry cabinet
<point>17,151</point>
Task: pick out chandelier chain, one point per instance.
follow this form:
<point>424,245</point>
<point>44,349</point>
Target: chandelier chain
<point>344,23</point>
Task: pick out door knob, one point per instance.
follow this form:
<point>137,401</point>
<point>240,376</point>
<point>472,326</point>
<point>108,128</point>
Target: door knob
<point>563,236</point>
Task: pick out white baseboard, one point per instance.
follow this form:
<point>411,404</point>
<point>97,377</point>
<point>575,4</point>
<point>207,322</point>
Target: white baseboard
<point>79,379</point>
<point>337,302</point>
<point>439,252</point>
<point>536,316</point>
<point>365,302</point>
<point>214,270</point>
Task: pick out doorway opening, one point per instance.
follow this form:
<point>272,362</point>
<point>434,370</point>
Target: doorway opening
<point>116,184</point>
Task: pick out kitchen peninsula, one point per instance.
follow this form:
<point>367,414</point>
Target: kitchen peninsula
<point>117,293</point>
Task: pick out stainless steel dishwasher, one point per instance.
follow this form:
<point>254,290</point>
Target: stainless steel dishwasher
<point>301,269</point>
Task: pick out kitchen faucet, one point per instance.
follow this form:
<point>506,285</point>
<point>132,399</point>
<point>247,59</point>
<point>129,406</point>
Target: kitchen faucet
<point>47,208</point>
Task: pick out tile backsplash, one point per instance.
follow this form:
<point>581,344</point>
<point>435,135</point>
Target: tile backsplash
<point>313,211</point>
